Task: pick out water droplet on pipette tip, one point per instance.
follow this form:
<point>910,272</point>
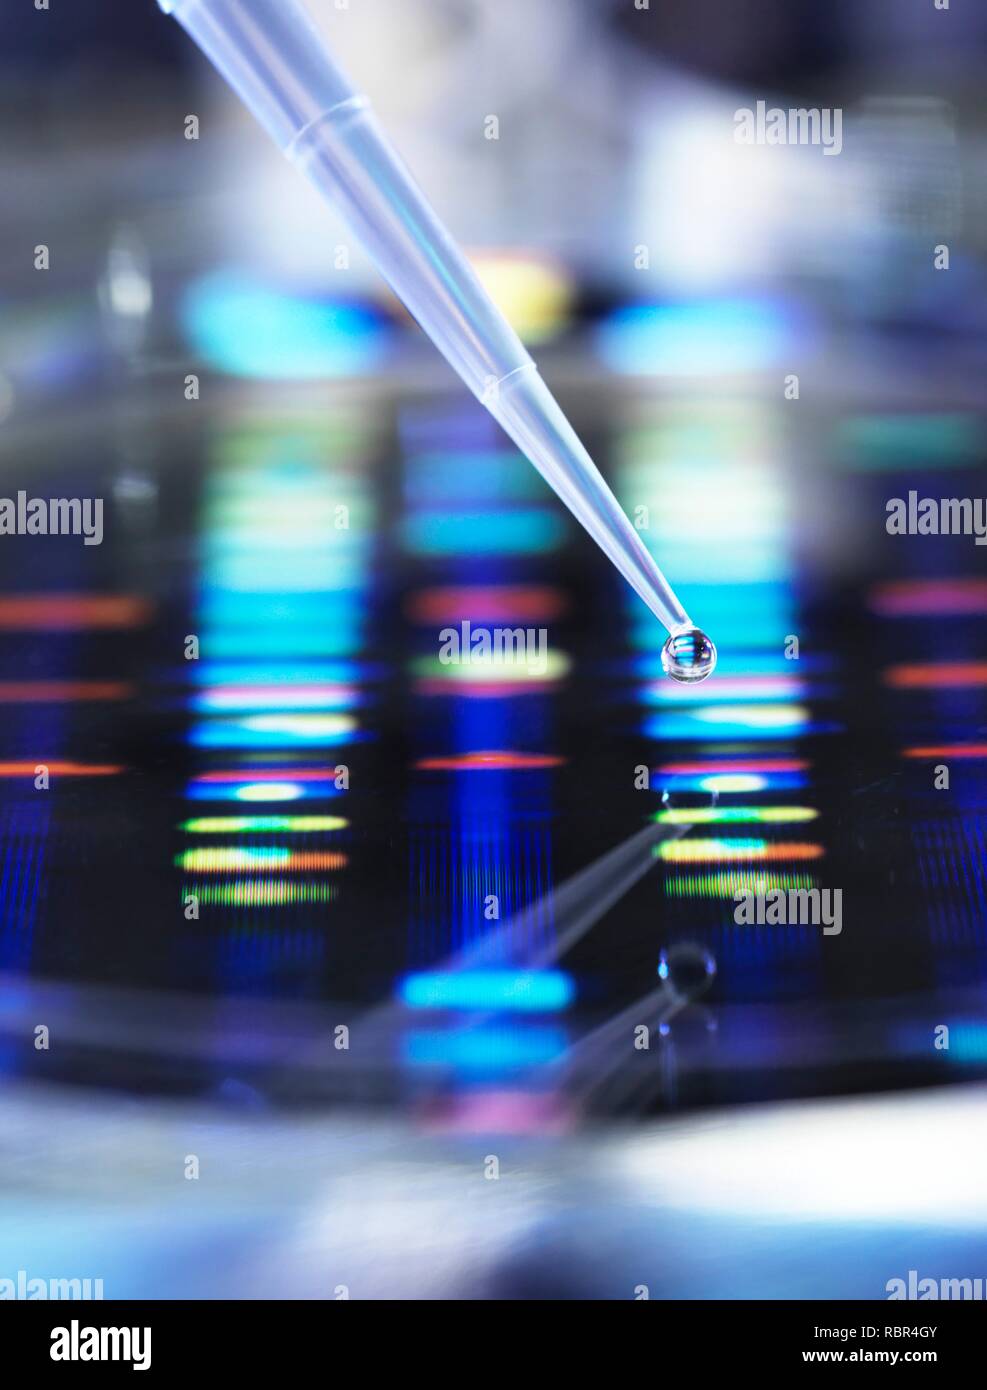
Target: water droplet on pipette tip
<point>688,656</point>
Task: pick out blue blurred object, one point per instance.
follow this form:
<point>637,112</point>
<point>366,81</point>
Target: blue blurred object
<point>245,328</point>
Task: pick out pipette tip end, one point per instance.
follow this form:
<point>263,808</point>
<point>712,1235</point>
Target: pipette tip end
<point>688,656</point>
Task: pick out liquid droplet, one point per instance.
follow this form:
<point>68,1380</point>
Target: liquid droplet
<point>688,656</point>
<point>688,968</point>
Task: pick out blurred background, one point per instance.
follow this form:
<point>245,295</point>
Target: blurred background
<point>473,1019</point>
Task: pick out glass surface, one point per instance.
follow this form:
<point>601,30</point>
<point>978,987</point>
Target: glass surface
<point>477,868</point>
